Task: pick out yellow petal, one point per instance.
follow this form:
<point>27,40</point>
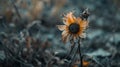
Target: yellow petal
<point>79,20</point>
<point>66,22</point>
<point>65,36</point>
<point>83,35</point>
<point>83,23</point>
<point>75,37</point>
<point>69,18</point>
<point>82,29</point>
<point>61,27</point>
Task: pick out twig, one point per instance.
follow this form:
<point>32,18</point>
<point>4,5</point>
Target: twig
<point>12,54</point>
<point>16,9</point>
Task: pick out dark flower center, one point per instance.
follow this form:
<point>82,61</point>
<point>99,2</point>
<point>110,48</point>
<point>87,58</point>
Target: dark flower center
<point>74,28</point>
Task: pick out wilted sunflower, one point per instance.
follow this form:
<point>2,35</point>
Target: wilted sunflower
<point>74,27</point>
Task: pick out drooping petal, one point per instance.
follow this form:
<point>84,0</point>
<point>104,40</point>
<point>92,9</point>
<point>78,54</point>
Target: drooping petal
<point>65,21</point>
<point>61,27</point>
<point>75,37</point>
<point>65,36</point>
<point>83,35</point>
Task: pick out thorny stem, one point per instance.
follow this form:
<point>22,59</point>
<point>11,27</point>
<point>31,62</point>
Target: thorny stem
<point>79,43</point>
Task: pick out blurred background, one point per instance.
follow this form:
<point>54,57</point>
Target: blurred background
<point>29,36</point>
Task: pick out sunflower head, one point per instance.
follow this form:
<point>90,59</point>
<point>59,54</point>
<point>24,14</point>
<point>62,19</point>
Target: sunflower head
<point>73,28</point>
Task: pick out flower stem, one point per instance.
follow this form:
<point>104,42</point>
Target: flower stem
<point>73,57</point>
<point>72,47</point>
<point>79,43</point>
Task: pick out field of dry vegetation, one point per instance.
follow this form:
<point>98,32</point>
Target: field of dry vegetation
<point>29,36</point>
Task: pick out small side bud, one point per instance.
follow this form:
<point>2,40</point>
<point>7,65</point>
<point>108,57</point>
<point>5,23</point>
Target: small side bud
<point>85,14</point>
